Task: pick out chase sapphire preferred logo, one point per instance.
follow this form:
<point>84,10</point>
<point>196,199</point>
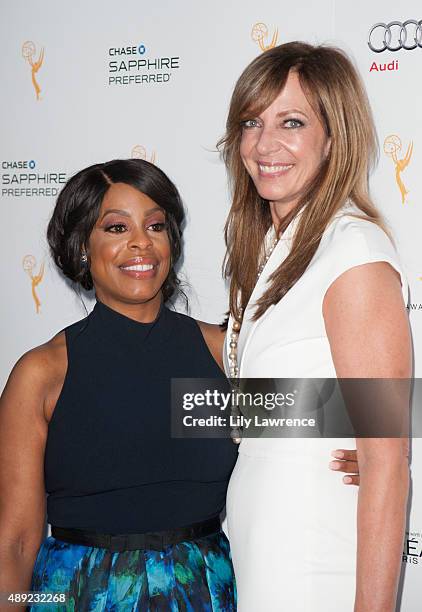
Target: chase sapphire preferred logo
<point>23,178</point>
<point>134,65</point>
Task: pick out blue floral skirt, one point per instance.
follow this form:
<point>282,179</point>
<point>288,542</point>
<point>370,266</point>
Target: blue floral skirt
<point>195,576</point>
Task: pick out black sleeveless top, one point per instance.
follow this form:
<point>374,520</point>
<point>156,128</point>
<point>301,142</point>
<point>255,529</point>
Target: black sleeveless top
<point>111,465</point>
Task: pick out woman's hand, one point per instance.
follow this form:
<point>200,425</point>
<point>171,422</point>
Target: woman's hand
<point>346,461</point>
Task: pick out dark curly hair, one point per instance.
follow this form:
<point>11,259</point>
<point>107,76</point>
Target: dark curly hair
<point>78,206</point>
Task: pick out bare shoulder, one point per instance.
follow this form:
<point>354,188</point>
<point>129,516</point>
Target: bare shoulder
<point>44,361</point>
<point>38,375</point>
<point>214,338</point>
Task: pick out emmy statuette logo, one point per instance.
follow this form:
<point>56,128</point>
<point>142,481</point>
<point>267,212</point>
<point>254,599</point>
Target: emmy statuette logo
<point>259,35</point>
<point>393,148</point>
<point>139,152</point>
<point>29,264</point>
<point>28,53</point>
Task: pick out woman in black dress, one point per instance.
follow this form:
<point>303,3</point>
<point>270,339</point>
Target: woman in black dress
<point>85,418</point>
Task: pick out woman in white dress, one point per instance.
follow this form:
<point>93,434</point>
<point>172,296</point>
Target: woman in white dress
<point>322,294</point>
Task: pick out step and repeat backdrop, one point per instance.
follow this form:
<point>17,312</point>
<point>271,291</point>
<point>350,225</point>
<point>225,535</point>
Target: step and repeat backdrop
<point>85,82</point>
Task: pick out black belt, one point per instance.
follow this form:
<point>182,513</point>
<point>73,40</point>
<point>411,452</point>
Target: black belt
<point>154,540</point>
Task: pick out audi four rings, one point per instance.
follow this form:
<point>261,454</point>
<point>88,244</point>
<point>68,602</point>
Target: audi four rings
<point>395,36</point>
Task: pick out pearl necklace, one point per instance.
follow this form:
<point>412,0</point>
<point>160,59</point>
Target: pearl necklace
<point>237,323</point>
<point>234,338</point>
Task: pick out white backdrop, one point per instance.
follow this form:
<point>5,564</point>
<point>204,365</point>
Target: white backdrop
<point>174,116</point>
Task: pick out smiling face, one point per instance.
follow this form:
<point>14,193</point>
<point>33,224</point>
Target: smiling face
<point>129,252</point>
<point>282,149</point>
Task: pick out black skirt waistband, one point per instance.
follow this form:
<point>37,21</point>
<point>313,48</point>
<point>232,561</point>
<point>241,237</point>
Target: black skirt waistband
<point>154,540</point>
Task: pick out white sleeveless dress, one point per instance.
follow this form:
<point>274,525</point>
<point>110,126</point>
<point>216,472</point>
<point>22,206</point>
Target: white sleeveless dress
<point>291,520</point>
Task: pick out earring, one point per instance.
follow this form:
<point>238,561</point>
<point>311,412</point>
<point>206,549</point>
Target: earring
<point>84,258</point>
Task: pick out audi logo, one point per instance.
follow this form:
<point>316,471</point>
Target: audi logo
<point>395,35</point>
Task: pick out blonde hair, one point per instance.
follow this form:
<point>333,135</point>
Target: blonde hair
<point>337,95</point>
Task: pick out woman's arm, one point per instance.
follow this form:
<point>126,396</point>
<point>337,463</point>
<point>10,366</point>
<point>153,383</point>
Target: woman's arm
<point>23,433</point>
<point>368,330</point>
<point>214,337</point>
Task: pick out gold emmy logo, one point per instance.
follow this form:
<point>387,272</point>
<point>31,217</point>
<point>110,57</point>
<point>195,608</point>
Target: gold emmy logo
<point>139,152</point>
<point>392,148</point>
<point>29,263</point>
<point>28,52</point>
<point>259,35</point>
